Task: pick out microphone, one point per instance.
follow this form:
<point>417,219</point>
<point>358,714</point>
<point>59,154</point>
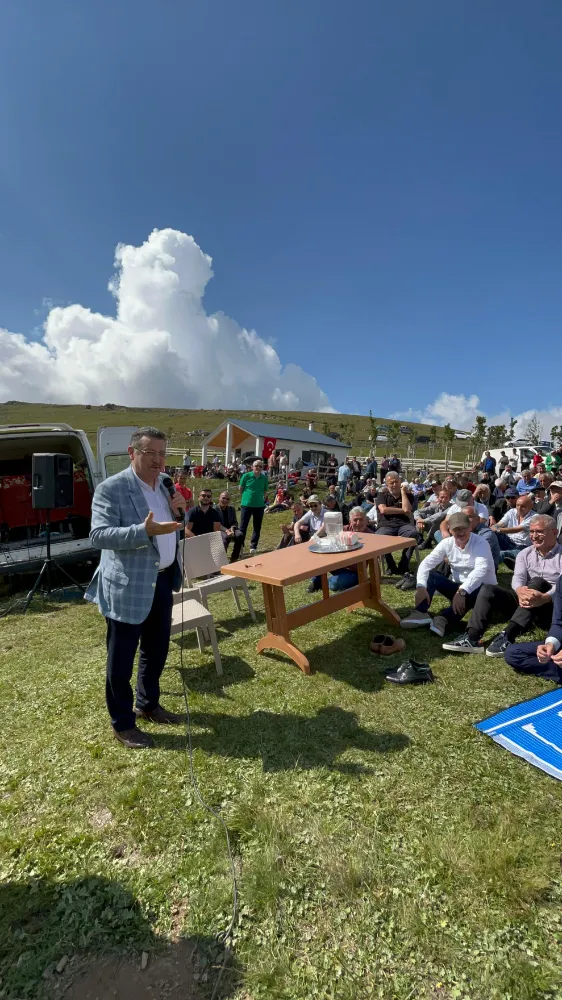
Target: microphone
<point>168,485</point>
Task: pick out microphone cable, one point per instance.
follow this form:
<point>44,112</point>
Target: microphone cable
<point>224,937</point>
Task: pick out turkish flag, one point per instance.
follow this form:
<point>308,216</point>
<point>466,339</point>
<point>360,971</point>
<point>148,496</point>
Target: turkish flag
<point>268,447</point>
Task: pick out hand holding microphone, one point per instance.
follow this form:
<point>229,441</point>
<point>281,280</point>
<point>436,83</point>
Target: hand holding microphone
<point>177,502</point>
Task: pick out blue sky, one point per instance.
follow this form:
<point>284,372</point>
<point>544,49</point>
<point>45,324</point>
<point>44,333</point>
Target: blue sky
<point>378,184</point>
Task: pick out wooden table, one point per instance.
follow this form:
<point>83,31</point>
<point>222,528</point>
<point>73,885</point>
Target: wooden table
<point>279,569</point>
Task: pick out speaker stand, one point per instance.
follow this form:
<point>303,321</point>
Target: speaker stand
<point>48,570</point>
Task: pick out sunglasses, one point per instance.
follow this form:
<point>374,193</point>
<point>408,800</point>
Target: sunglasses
<point>314,505</point>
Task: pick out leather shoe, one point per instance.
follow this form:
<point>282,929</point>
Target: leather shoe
<point>411,672</point>
<point>375,645</point>
<point>391,645</point>
<point>160,715</point>
<point>133,738</point>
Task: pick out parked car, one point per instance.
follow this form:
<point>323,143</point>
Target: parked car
<point>22,528</point>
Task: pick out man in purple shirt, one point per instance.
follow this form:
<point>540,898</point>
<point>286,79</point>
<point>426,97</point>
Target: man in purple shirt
<point>537,571</point>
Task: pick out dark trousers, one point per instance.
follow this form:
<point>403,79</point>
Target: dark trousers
<point>439,584</point>
<point>507,545</point>
<point>522,656</point>
<point>236,539</point>
<point>433,526</point>
<point>122,641</point>
<point>400,531</point>
<point>256,513</point>
<point>494,599</point>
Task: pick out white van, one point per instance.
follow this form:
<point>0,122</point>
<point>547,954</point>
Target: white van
<point>524,452</point>
<point>22,528</point>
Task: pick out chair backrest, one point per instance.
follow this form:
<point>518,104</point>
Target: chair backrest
<point>203,555</point>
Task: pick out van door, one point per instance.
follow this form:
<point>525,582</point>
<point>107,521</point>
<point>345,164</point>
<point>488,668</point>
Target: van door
<point>112,449</point>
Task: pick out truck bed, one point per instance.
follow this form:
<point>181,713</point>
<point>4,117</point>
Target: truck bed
<point>24,557</point>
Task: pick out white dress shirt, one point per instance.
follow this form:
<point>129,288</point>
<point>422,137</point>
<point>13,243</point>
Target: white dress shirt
<point>480,509</point>
<point>158,504</point>
<point>471,566</point>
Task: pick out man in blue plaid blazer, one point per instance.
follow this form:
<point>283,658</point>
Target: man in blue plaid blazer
<point>140,567</point>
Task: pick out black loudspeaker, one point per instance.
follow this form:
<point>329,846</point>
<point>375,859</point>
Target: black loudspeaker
<point>52,482</point>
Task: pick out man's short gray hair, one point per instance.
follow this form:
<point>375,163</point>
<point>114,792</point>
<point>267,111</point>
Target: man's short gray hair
<point>148,432</point>
<point>356,510</point>
<point>546,519</point>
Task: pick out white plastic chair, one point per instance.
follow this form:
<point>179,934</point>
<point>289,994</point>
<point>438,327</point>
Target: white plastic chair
<point>188,615</point>
<point>203,556</point>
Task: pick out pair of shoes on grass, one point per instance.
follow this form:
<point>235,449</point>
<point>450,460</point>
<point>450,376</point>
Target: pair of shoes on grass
<point>463,644</point>
<point>386,645</point>
<point>408,582</point>
<point>411,672</point>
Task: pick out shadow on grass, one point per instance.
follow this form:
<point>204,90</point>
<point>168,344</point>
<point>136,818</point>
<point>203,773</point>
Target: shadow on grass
<point>41,921</point>
<point>205,680</point>
<point>286,741</point>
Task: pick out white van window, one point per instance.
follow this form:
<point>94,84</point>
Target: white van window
<point>116,463</point>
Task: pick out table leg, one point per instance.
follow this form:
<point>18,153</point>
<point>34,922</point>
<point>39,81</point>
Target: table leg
<point>278,635</point>
<point>375,601</point>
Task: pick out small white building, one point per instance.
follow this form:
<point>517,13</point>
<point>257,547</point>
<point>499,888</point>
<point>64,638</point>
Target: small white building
<point>244,438</point>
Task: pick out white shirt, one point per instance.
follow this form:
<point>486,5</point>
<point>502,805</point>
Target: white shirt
<point>480,509</point>
<point>471,566</point>
<point>315,521</point>
<point>160,507</point>
<point>511,520</point>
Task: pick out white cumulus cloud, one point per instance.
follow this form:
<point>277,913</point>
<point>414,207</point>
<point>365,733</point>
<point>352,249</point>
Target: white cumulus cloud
<point>160,349</point>
<point>460,412</point>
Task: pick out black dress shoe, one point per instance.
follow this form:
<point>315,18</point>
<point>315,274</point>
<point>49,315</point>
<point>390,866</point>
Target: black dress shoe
<point>160,715</point>
<point>411,672</point>
<point>133,738</point>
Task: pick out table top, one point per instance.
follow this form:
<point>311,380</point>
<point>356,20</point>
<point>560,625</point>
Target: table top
<point>295,563</point>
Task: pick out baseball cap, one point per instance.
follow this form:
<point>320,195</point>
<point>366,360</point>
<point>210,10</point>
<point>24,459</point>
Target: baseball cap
<point>313,498</point>
<point>538,489</point>
<point>511,492</point>
<point>556,483</point>
<point>458,520</point>
<point>463,496</point>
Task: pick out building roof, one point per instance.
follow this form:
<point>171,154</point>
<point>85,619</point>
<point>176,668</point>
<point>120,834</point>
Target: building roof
<point>300,434</point>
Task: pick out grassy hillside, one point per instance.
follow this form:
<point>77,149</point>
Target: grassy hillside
<point>178,423</point>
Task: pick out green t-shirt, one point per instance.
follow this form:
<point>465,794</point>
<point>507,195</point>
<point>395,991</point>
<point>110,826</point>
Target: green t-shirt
<point>253,489</point>
<point>552,463</point>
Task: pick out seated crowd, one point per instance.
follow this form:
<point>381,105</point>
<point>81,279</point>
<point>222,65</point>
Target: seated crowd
<point>471,522</point>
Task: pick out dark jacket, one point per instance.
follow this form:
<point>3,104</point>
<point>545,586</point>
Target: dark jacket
<point>227,517</point>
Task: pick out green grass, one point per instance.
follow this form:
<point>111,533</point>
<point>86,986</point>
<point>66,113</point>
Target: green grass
<point>384,848</point>
<point>176,423</point>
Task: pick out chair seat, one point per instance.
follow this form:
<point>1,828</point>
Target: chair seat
<point>189,614</point>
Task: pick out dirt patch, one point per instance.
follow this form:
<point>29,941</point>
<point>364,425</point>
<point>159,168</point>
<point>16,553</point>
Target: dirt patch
<point>170,976</point>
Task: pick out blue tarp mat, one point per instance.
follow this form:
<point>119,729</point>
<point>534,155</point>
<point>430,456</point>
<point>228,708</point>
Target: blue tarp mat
<point>532,730</point>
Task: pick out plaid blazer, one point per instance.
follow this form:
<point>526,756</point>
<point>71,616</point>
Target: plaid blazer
<point>124,582</point>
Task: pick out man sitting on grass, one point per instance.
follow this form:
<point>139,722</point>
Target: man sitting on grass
<point>432,515</point>
<point>471,564</point>
<point>230,531</point>
<point>544,658</point>
<point>537,570</point>
<point>513,528</point>
<point>527,482</point>
<point>288,530</point>
<point>394,506</point>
